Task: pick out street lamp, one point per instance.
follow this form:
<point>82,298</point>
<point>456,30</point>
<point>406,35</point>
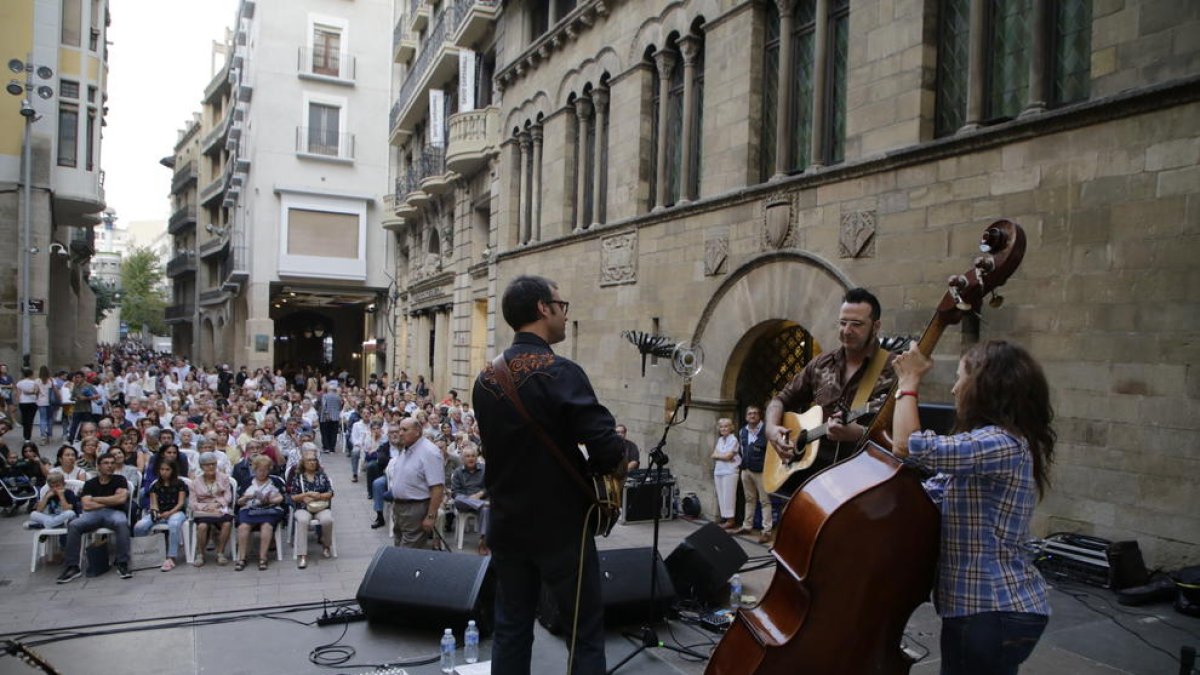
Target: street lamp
<point>26,91</point>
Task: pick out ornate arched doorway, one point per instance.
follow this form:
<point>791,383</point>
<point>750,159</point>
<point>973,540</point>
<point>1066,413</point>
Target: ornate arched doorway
<point>774,357</point>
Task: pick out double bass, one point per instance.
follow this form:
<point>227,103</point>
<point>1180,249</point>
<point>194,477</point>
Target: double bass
<point>856,546</point>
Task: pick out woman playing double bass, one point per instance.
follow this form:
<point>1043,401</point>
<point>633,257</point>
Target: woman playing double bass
<point>991,598</point>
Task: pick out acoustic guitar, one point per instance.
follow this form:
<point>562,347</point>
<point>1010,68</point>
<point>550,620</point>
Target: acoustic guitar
<point>808,430</point>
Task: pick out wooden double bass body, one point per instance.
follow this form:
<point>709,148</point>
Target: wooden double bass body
<point>857,545</point>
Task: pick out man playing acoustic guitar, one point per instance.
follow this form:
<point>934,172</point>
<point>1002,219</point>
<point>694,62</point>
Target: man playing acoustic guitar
<point>832,381</point>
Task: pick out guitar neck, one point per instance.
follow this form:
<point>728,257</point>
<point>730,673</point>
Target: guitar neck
<point>882,424</point>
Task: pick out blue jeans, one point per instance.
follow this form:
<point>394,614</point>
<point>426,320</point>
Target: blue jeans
<point>519,579</point>
<point>379,493</point>
<point>174,528</point>
<point>46,420</point>
<point>355,456</point>
<point>990,643</point>
<point>90,521</point>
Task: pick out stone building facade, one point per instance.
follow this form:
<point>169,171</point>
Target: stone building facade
<point>721,171</point>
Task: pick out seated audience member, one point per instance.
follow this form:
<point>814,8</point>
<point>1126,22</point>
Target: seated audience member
<point>260,505</point>
<point>168,497</point>
<point>210,501</point>
<point>466,486</point>
<point>376,476</point>
<point>104,501</point>
<point>59,504</point>
<point>130,473</point>
<point>168,452</point>
<point>89,455</point>
<point>65,461</point>
<point>311,493</point>
<point>31,465</point>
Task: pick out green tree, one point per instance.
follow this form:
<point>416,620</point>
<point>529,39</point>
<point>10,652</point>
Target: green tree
<point>142,303</point>
<point>106,299</point>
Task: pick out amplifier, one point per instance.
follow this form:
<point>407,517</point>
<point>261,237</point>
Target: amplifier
<point>1092,560</point>
<point>639,500</point>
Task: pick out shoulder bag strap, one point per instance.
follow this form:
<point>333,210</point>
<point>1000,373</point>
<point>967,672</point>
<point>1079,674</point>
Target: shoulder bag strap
<point>504,378</point>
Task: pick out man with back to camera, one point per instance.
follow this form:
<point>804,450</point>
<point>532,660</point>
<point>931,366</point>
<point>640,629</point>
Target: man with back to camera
<point>539,512</point>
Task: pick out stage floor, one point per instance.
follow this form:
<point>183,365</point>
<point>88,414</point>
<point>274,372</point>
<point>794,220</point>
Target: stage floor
<point>1081,637</point>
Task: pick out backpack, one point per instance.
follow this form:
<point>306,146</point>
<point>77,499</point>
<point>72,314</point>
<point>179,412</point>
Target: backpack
<point>53,395</point>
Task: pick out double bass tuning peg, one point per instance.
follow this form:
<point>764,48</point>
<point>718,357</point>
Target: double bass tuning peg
<point>957,283</point>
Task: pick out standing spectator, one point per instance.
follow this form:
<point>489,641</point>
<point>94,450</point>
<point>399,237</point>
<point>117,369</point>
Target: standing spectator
<point>754,452</point>
<point>725,471</point>
<point>416,481</point>
<point>28,390</point>
<point>6,386</point>
<point>559,397</point>
<point>105,500</point>
<point>329,417</point>
<point>83,394</point>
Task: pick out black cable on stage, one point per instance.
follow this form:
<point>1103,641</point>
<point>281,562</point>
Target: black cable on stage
<point>1081,595</point>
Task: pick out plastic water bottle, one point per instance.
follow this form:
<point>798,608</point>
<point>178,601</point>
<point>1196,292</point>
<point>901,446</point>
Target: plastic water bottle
<point>448,647</point>
<point>471,643</point>
<point>735,592</point>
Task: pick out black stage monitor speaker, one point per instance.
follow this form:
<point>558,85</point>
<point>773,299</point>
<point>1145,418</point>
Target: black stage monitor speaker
<point>702,564</point>
<point>428,589</point>
<point>624,590</point>
<point>938,417</point>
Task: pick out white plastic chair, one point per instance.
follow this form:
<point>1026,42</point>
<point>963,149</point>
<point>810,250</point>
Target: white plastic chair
<point>88,537</point>
<point>189,543</point>
<point>460,524</point>
<point>278,526</point>
<point>191,527</point>
<point>312,526</point>
<point>45,540</point>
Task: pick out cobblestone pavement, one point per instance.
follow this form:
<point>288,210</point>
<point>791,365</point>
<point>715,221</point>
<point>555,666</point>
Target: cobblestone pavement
<point>1081,638</point>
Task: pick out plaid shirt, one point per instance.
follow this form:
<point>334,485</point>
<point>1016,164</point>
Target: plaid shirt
<point>989,498</point>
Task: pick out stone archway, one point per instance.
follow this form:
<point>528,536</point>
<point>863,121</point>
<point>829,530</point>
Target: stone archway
<point>800,288</point>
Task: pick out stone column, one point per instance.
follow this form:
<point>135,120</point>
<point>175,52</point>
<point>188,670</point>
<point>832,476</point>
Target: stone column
<point>1037,95</point>
<point>816,138</point>
<point>583,111</point>
<point>689,46</point>
<point>525,142</point>
<point>665,61</point>
<point>783,100</point>
<point>976,65</point>
<point>535,132</point>
<point>600,104</point>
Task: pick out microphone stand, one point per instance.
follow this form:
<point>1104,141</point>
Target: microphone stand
<point>646,635</point>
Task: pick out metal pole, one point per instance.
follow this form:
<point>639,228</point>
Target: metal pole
<point>26,220</point>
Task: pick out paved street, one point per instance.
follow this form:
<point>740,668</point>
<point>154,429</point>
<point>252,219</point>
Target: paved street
<point>1078,640</point>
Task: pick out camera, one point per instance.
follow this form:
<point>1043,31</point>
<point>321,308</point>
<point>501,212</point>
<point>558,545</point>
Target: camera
<point>58,249</point>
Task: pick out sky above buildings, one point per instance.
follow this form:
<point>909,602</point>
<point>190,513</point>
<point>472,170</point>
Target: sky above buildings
<point>159,63</point>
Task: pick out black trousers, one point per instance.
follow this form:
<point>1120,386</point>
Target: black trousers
<point>329,431</point>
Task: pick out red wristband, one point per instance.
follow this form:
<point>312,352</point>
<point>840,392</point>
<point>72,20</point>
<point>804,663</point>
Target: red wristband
<point>902,394</point>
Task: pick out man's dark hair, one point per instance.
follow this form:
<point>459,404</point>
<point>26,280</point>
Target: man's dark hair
<point>520,302</point>
<point>856,296</point>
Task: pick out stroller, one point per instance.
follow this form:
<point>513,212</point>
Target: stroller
<point>17,490</point>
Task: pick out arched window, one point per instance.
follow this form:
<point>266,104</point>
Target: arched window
<point>679,77</point>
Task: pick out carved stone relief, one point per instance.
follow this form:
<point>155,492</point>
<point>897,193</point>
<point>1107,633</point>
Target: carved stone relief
<point>618,259</point>
<point>856,236</point>
<point>779,215</point>
<point>716,252</point>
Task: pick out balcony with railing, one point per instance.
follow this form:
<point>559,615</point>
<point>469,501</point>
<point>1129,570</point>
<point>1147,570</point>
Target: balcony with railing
<point>436,64</point>
<point>403,44</point>
<point>181,313</point>
<point>237,271</point>
<point>471,21</point>
<point>434,177</point>
<point>474,137</point>
<point>184,176</point>
<point>320,63</point>
<point>212,190</point>
<point>406,183</point>
<point>83,242</point>
<point>212,296</point>
<point>183,263</point>
<point>324,143</point>
<point>213,140</point>
<point>183,218</point>
<point>218,245</point>
<point>418,15</point>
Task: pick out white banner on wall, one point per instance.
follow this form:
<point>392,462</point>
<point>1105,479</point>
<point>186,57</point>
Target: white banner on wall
<point>437,120</point>
<point>466,80</point>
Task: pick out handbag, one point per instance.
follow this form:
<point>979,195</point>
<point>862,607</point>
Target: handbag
<point>313,505</point>
<point>604,491</point>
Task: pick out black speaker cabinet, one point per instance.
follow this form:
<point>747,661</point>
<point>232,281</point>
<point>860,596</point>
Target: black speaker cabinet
<point>624,590</point>
<point>938,417</point>
<point>428,589</point>
<point>701,565</point>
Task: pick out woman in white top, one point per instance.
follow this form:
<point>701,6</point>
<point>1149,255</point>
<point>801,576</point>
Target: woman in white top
<point>45,405</point>
<point>726,460</point>
<point>27,390</point>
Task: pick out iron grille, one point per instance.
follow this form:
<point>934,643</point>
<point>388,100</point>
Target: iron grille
<point>774,359</point>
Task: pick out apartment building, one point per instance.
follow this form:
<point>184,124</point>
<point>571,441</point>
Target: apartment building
<point>290,260</point>
<point>721,171</point>
<point>57,60</point>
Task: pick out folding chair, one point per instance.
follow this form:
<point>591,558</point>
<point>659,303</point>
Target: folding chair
<point>88,537</point>
<point>192,527</point>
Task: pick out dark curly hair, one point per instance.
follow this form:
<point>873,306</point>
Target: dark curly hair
<point>1006,387</point>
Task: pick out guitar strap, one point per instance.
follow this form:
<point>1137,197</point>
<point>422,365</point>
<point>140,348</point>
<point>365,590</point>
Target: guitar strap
<point>870,377</point>
<point>504,379</point>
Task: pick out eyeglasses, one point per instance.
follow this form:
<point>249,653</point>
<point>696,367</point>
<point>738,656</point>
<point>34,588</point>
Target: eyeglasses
<point>566,306</point>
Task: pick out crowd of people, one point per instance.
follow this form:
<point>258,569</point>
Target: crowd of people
<point>140,442</point>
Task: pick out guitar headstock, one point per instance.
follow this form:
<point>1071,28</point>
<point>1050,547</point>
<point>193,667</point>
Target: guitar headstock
<point>1002,246</point>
